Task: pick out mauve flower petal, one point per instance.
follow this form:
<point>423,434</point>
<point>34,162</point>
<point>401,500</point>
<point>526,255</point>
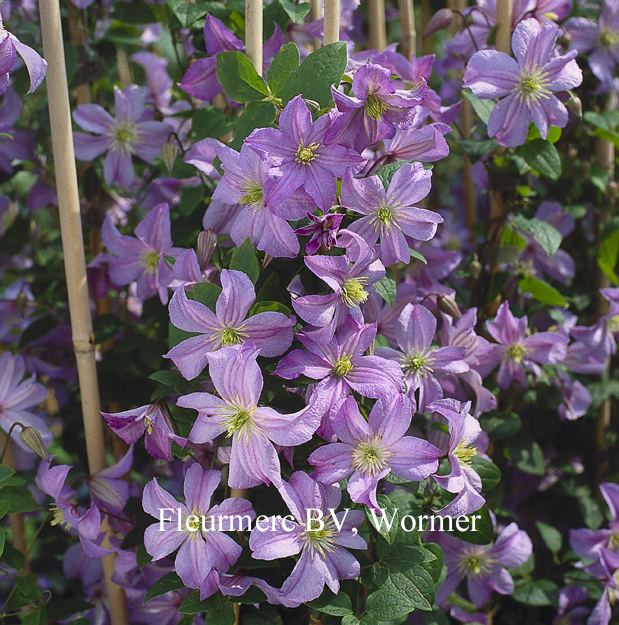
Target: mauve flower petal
<point>549,112</point>
<point>235,373</point>
<point>200,80</point>
<point>317,310</point>
<point>414,459</point>
<point>152,135</point>
<point>118,169</point>
<point>564,72</point>
<point>306,581</point>
<point>35,65</point>
<point>253,461</point>
<point>222,550</point>
<point>192,562</point>
<point>409,185</point>
<point>236,298</point>
<point>8,55</point>
<point>509,121</point>
<point>93,118</point>
<point>130,103</point>
<point>512,548</point>
<point>89,147</point>
<point>155,499</point>
<point>362,487</point>
<point>199,487</point>
<point>362,195</point>
<point>295,120</point>
<point>480,588</point>
<point>278,238</point>
<point>332,462</point>
<point>546,347</point>
<point>584,33</point>
<point>372,376</point>
<point>154,230</point>
<point>299,362</point>
<point>218,38</point>
<point>419,223</point>
<point>491,74</point>
<point>291,429</point>
<point>348,423</point>
<point>391,417</point>
<point>271,332</point>
<point>191,315</point>
<point>275,542</point>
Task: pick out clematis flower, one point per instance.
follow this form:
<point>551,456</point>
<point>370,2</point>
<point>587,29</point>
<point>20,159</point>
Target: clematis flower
<point>10,47</point>
<point>151,421</point>
<point>121,138</point>
<point>484,566</point>
<point>141,258</point>
<point>375,110</point>
<point>526,84</point>
<point>390,215</point>
<point>109,492</point>
<point>608,574</point>
<point>420,361</point>
<point>370,450</point>
<point>271,332</point>
<point>341,366</point>
<point>517,350</point>
<point>324,558</point>
<point>351,286</point>
<point>570,611</point>
<point>323,228</point>
<point>204,550</point>
<point>418,143</point>
<point>301,157</point>
<point>238,380</point>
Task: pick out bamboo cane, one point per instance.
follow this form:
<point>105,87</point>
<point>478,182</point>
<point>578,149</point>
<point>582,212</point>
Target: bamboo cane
<point>253,32</point>
<point>407,26</point>
<point>316,14</point>
<point>332,22</point>
<point>378,27</point>
<point>75,265</point>
<point>504,26</point>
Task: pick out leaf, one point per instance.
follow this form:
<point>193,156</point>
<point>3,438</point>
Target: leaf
<point>165,584</point>
<point>284,63</point>
<point>545,234</point>
<point>2,540</point>
<point>239,77</point>
<point>608,255</point>
<point>61,609</point>
<point>107,327</point>
<point>187,13</point>
<point>5,472</point>
<point>334,605</point>
<point>314,77</point>
<point>483,108</point>
<point>262,306</point>
<point>133,13</point>
<point>255,115</point>
<point>244,259</point>
<point>543,157</point>
<point>37,330</point>
<point>217,613</point>
<point>266,615</point>
<point>206,293</point>
<point>386,524</point>
<point>386,172</point>
<point>527,456</point>
<point>386,288</point>
<point>541,291</point>
<point>191,198</point>
<point>296,12</point>
<point>551,536</point>
<point>17,502</point>
<point>538,593</point>
<point>420,257</point>
<point>484,529</point>
<point>498,425</point>
<point>488,472</point>
<point>167,378</point>
<point>211,122</point>
<point>476,149</point>
<point>350,619</point>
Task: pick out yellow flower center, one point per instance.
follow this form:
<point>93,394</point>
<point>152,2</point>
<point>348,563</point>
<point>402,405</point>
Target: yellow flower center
<point>320,540</point>
<point>369,456</point>
<point>613,541</point>
<point>608,39</point>
<point>465,453</point>
<point>353,292</point>
<point>343,366</point>
<point>375,107</point>
<point>305,155</point>
<point>124,136</point>
<point>516,352</point>
<point>613,324</point>
<point>416,363</point>
<point>253,194</point>
<point>240,420</point>
<point>58,517</point>
<point>149,261</point>
<point>533,85</point>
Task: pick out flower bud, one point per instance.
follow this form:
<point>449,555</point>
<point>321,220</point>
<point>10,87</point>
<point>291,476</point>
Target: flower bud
<point>448,305</point>
<point>32,438</point>
<point>207,242</point>
<point>312,105</point>
<point>440,20</point>
<point>169,152</point>
<point>575,105</point>
<point>475,268</point>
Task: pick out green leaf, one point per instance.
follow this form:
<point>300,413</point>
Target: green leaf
<point>266,615</point>
<point>217,612</point>
<point>18,502</point>
<point>416,255</point>
<point>142,556</point>
<point>545,234</point>
<point>538,593</point>
<point>211,122</point>
<point>499,425</point>
<point>262,306</point>
<point>167,378</point>
<point>165,584</point>
<point>284,63</point>
<point>386,288</point>
<point>251,596</point>
<point>608,255</point>
<point>335,605</point>
<point>107,327</point>
<point>387,523</point>
<point>483,108</point>
<point>527,456</point>
<point>554,133</point>
<point>244,259</point>
<point>488,472</point>
<point>239,77</point>
<point>484,529</point>
<point>386,172</point>
<point>551,536</point>
<point>350,619</point>
<point>206,293</point>
<point>26,584</point>
<point>191,198</point>
<point>543,157</point>
<point>2,540</point>
<point>37,330</point>
<point>133,13</point>
<point>13,557</point>
<point>541,291</point>
<point>187,13</point>
<point>314,77</point>
<point>476,149</point>
<point>5,472</point>
<point>296,12</point>
<point>436,617</point>
<point>61,609</point>
<point>37,617</point>
<point>255,115</point>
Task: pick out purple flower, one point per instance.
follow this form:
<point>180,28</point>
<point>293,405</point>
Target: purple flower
<point>17,397</point>
<point>464,431</point>
<point>122,137</point>
<point>424,143</point>
<point>419,359</point>
<point>151,421</point>
<point>271,332</point>
<point>323,229</point>
<point>485,567</point>
<point>570,612</point>
<point>246,182</point>
<point>300,157</point>
<point>576,397</point>
<point>141,258</point>
<point>529,82</point>
<point>205,550</point>
<point>517,351</point>
<point>390,214</point>
<point>351,286</point>
<point>375,109</point>
<point>601,40</point>
<point>109,492</point>
<point>370,450</point>
<point>608,574</point>
<point>341,366</point>
<point>202,154</point>
<point>10,47</point>
<point>238,380</point>
<point>324,559</point>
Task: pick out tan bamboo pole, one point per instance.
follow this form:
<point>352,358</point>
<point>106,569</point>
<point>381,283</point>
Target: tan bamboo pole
<point>332,22</point>
<point>504,26</point>
<point>316,14</point>
<point>426,13</point>
<point>378,27</point>
<point>253,32</point>
<point>75,265</point>
<point>407,26</point>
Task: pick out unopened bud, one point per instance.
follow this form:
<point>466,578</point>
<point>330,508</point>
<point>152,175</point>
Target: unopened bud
<point>312,105</point>
<point>475,269</point>
<point>440,20</point>
<point>266,261</point>
<point>169,152</point>
<point>33,440</point>
<point>575,105</point>
<point>448,305</point>
<point>207,242</point>
<point>21,301</point>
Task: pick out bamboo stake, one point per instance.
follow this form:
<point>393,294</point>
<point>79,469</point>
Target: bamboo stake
<point>316,14</point>
<point>407,26</point>
<point>253,32</point>
<point>504,26</point>
<point>378,27</point>
<point>332,22</point>
<point>426,13</point>
<point>75,265</point>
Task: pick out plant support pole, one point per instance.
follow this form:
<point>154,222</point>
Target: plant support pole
<point>378,27</point>
<point>75,265</point>
<point>253,32</point>
<point>407,25</point>
<point>332,22</point>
